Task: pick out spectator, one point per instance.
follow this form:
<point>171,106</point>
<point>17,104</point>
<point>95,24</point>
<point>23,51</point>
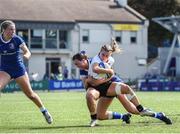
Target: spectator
<point>52,76</point>
<point>59,76</point>
<point>45,77</point>
<point>34,77</point>
<point>65,72</point>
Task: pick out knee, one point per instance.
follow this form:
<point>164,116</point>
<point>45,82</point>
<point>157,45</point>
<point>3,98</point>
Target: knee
<point>121,88</point>
<point>90,96</point>
<point>128,89</point>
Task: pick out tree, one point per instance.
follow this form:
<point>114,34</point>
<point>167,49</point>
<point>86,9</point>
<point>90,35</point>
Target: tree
<point>156,8</point>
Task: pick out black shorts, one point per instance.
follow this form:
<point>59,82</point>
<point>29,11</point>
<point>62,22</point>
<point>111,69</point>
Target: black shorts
<point>103,88</point>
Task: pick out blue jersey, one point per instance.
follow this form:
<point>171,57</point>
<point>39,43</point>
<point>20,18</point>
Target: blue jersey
<point>10,57</point>
<point>83,72</point>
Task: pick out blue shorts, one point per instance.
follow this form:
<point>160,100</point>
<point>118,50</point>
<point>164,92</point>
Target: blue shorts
<point>116,79</point>
<point>14,73</point>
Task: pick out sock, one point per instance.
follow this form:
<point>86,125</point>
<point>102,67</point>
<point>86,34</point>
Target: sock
<point>140,108</point>
<point>157,115</point>
<point>116,115</point>
<point>94,117</point>
<point>42,109</point>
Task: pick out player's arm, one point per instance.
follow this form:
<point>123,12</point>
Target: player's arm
<point>84,80</point>
<point>99,70</point>
<point>26,52</point>
<point>96,82</point>
<point>83,77</point>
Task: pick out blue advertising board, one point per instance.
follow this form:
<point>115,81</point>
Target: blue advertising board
<point>65,84</point>
<point>158,85</point>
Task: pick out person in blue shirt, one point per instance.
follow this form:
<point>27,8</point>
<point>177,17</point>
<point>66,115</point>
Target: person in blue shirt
<point>12,66</point>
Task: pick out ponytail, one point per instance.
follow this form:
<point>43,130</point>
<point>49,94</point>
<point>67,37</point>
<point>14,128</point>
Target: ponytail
<point>113,47</point>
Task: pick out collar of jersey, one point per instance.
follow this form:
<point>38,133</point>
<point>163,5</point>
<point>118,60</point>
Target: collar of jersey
<point>4,40</point>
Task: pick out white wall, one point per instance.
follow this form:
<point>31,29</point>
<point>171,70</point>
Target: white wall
<point>126,63</point>
<point>98,35</point>
<point>37,65</point>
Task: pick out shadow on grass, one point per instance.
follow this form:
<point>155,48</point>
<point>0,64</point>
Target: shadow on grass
<point>73,126</point>
<point>56,127</point>
<point>133,124</point>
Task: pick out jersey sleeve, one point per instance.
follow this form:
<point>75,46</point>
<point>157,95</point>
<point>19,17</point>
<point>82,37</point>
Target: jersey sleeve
<point>19,41</point>
<point>83,73</point>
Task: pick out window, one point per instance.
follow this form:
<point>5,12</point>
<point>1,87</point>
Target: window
<point>51,39</point>
<point>85,36</point>
<point>52,67</point>
<point>133,37</point>
<point>36,38</point>
<point>118,36</point>
<point>23,33</point>
<point>63,39</point>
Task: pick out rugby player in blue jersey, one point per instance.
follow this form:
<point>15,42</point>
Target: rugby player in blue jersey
<point>12,66</point>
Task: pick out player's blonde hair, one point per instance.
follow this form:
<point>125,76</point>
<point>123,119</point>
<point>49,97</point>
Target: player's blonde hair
<point>5,24</point>
<point>112,47</point>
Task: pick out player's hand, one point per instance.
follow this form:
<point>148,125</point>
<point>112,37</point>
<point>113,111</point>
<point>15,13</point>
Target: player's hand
<point>111,72</point>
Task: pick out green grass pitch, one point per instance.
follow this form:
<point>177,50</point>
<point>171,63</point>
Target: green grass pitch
<point>19,115</point>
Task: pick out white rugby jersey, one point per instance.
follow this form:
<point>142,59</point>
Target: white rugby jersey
<point>97,59</point>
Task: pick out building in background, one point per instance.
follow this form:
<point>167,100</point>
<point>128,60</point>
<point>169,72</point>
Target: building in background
<point>54,30</point>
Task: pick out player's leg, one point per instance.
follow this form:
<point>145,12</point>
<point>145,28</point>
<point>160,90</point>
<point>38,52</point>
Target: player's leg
<point>92,96</point>
<point>121,88</point>
<point>127,104</point>
<point>102,106</point>
<point>4,79</point>
<point>24,84</point>
<point>103,114</point>
<point>130,107</point>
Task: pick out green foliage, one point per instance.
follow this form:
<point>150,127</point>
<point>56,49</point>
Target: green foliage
<point>19,115</point>
<point>156,8</point>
